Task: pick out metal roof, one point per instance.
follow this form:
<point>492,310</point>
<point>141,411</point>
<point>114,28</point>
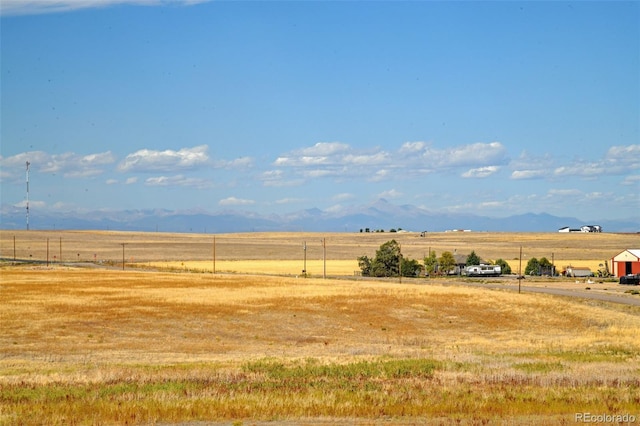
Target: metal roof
<point>635,252</point>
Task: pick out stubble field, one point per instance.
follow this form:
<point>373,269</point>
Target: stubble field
<point>99,345</point>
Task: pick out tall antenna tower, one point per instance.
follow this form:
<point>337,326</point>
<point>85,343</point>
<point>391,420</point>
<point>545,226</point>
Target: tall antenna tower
<point>28,163</point>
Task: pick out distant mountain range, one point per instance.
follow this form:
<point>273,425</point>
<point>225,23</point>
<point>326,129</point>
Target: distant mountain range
<point>378,215</point>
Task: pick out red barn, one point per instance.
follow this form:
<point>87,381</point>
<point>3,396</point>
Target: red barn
<point>627,262</point>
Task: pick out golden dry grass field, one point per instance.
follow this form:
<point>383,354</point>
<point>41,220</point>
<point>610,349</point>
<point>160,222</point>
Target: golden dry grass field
<point>97,345</point>
<point>196,251</point>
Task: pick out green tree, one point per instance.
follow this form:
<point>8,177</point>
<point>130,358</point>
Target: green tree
<point>446,262</point>
<point>364,263</point>
<point>410,267</point>
<point>544,262</point>
<point>545,267</point>
<point>504,266</point>
<point>473,259</point>
<point>386,263</point>
<point>387,260</point>
<point>431,263</point>
<point>533,267</point>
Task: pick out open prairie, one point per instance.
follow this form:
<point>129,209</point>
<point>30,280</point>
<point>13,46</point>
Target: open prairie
<point>197,251</point>
<point>100,345</point>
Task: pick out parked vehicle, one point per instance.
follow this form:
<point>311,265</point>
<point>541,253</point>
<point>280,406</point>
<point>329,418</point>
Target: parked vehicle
<point>631,279</point>
<point>483,271</point>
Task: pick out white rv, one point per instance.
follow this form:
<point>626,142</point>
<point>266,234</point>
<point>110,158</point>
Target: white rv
<point>483,270</point>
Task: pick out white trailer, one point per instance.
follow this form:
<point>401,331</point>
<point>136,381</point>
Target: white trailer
<point>483,270</point>
<point>578,272</point>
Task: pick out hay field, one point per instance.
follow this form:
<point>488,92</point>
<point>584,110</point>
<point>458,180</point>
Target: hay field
<point>104,346</point>
<point>103,246</point>
<point>314,268</point>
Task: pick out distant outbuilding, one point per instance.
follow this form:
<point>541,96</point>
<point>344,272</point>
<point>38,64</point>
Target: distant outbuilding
<point>585,228</point>
<point>625,263</point>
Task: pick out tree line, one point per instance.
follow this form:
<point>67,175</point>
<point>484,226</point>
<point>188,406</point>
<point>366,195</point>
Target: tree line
<point>389,262</point>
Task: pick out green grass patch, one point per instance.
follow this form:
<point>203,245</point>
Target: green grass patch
<point>602,354</point>
<point>273,389</point>
<point>539,367</point>
<point>608,353</point>
<point>312,369</point>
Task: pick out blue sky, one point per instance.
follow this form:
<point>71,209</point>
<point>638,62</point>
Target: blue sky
<point>493,108</point>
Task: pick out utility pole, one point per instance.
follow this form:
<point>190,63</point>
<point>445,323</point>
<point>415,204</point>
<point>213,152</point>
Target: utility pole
<point>28,164</point>
<point>304,249</point>
<point>214,254</point>
<point>324,258</point>
<point>400,261</point>
<point>123,244</point>
<point>520,271</point>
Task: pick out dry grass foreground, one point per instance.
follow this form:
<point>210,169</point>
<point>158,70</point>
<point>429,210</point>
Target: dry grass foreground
<point>84,346</point>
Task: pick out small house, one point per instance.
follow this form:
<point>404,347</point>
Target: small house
<point>625,263</point>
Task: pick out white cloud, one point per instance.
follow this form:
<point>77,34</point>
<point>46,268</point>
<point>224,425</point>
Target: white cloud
<point>341,161</point>
<point>631,180</point>
<point>575,197</point>
<point>368,159</point>
<point>277,178</point>
<point>14,167</point>
<point>131,180</point>
<point>392,193</point>
<point>32,7</point>
<point>564,192</point>
<point>146,160</point>
<point>528,166</point>
<point>238,163</point>
<point>111,181</point>
<point>618,160</point>
<point>596,196</point>
<point>476,154</point>
<point>319,173</point>
<point>345,196</point>
<point>336,208</point>
<point>480,172</point>
<point>380,175</point>
<point>32,204</point>
<point>324,149</point>
<point>178,180</point>
<point>582,169</point>
<point>529,174</point>
<point>69,164</point>
<point>491,204</point>
<point>412,147</point>
<point>629,153</point>
<point>233,201</point>
<point>290,200</point>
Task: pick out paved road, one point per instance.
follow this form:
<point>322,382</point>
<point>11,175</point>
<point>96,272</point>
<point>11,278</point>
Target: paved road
<point>597,292</point>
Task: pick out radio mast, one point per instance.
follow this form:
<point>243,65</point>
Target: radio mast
<point>28,195</point>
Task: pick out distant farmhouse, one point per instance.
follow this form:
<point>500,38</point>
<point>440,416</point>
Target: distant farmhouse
<point>585,228</point>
